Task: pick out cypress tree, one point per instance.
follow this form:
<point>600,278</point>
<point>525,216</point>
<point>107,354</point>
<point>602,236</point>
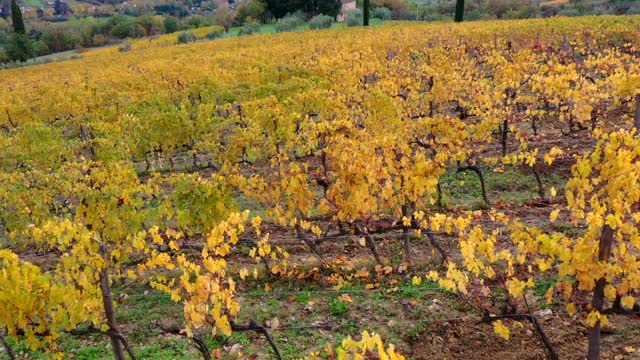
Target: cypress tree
<point>16,17</point>
<point>20,49</point>
<point>459,10</point>
<point>365,13</point>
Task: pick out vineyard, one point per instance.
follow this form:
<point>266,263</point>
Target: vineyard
<point>418,191</point>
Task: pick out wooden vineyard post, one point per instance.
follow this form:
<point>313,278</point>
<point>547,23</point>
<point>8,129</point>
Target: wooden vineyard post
<point>636,118</point>
<point>597,302</point>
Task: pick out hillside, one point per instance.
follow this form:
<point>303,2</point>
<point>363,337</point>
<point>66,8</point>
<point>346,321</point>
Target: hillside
<point>60,26</point>
<point>464,191</point>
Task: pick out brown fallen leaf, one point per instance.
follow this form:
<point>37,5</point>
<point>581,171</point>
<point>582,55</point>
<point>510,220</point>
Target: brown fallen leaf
<point>345,298</point>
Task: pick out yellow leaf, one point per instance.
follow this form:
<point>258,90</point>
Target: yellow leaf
<point>554,215</point>
<point>571,308</point>
<point>156,236</point>
<point>243,273</point>
<point>363,273</point>
<point>518,324</point>
<point>530,283</point>
<point>174,234</point>
<point>256,221</point>
<point>500,329</point>
<point>138,243</point>
<point>432,275</point>
<point>516,287</point>
<point>131,274</point>
<point>553,191</point>
<point>362,241</point>
<point>222,323</point>
<point>416,280</point>
<point>610,292</point>
<point>543,265</point>
<point>594,317</point>
<point>628,301</point>
<point>173,245</point>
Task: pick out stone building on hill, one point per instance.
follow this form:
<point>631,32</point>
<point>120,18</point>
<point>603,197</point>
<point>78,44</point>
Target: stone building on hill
<point>347,5</point>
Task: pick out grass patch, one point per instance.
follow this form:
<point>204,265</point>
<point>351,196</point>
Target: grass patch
<point>303,298</point>
<point>512,185</point>
<point>34,3</point>
<point>630,332</point>
<point>413,332</point>
<point>567,228</point>
<point>542,285</point>
<point>338,308</point>
<point>91,352</point>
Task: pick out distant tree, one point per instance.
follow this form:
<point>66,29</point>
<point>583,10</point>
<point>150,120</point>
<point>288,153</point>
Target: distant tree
<point>320,22</point>
<point>123,29</point>
<point>215,33</point>
<point>459,10</point>
<point>151,24</point>
<point>16,18</point>
<point>193,22</point>
<point>354,18</point>
<point>20,48</point>
<point>40,48</point>
<point>397,7</point>
<point>224,17</point>
<point>381,13</point>
<point>497,7</point>
<point>289,23</point>
<point>249,29</point>
<point>280,8</point>
<point>327,7</point>
<point>170,24</point>
<point>61,40</point>
<point>137,31</point>
<point>253,9</point>
<point>4,57</point>
<point>365,13</point>
<point>171,9</point>
<point>186,37</point>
